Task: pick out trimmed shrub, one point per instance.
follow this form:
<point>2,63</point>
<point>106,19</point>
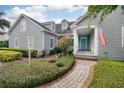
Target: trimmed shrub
<point>4,44</point>
<point>65,44</point>
<point>55,50</point>
<point>23,51</point>
<point>60,64</point>
<point>20,75</point>
<point>9,55</point>
<point>52,61</point>
<point>44,53</point>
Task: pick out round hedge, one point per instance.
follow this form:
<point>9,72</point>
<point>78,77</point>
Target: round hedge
<point>6,56</point>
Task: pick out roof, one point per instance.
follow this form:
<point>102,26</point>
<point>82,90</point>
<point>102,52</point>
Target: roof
<point>58,29</point>
<point>81,18</point>
<point>49,22</point>
<point>36,22</point>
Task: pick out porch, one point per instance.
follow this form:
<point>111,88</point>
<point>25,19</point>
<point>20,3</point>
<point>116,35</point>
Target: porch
<point>86,41</point>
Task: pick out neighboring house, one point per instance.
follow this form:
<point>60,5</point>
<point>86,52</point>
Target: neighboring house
<point>63,29</point>
<point>4,36</point>
<point>43,36</point>
<point>84,31</point>
<point>87,40</point>
<point>26,29</point>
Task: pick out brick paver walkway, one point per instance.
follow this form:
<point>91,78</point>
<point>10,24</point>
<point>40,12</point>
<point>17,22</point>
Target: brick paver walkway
<point>74,78</point>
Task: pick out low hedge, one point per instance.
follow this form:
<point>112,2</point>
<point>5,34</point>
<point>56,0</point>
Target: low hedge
<point>20,75</point>
<point>6,56</point>
<point>23,51</point>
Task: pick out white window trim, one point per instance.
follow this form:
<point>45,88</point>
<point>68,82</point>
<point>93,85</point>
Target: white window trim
<point>15,42</point>
<point>53,43</point>
<point>122,36</point>
<point>32,42</point>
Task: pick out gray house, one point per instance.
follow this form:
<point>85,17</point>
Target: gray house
<point>26,29</point>
<point>44,36</point>
<point>87,41</point>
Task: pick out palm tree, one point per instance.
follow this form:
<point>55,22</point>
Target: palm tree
<point>3,22</point>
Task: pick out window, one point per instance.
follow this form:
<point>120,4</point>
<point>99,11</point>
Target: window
<point>16,42</point>
<point>53,27</point>
<point>64,25</point>
<point>30,42</point>
<point>122,37</point>
<point>51,43</point>
<point>23,25</point>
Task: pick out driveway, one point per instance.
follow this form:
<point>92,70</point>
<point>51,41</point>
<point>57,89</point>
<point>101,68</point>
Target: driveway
<point>75,78</point>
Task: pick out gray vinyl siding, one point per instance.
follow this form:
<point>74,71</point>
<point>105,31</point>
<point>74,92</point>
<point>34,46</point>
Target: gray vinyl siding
<point>88,21</point>
<point>31,30</point>
<point>47,37</point>
<point>112,27</point>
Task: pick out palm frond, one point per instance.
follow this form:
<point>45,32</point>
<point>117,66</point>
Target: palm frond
<point>4,23</point>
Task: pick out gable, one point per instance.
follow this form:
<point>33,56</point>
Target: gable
<point>20,20</point>
<point>34,22</point>
<point>64,25</point>
<point>30,28</point>
<point>84,20</point>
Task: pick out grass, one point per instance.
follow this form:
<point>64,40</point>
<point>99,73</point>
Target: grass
<point>108,74</point>
<point>19,74</point>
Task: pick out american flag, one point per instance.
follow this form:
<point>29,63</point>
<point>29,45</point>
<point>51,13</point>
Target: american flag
<point>102,37</point>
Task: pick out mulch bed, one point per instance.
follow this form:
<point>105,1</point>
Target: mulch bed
<point>48,58</point>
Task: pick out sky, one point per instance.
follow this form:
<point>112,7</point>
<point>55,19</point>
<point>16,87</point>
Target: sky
<point>44,13</point>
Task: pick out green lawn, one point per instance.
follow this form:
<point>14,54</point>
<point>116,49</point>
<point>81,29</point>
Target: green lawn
<point>18,74</point>
<point>108,74</point>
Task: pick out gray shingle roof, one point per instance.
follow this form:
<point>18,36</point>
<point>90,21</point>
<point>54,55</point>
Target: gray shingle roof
<point>38,23</point>
<point>58,28</point>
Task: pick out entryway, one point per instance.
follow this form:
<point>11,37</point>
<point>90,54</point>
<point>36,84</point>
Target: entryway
<point>83,43</point>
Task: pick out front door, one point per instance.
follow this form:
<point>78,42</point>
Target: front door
<point>83,43</point>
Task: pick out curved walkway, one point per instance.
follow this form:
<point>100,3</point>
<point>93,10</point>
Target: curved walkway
<point>75,78</point>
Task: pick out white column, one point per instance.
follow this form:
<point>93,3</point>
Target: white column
<point>75,34</point>
<point>96,41</point>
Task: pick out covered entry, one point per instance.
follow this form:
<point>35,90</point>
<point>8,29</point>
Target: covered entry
<point>86,41</point>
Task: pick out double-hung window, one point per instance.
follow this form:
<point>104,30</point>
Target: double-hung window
<point>16,42</point>
<point>23,25</point>
<point>51,43</point>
